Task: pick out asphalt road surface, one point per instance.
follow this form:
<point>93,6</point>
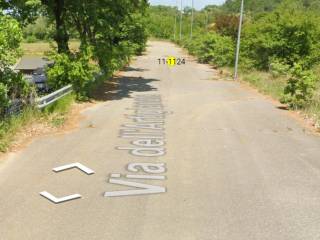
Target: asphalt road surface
<point>174,155</point>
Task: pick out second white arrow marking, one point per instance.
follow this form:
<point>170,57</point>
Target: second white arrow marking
<point>74,165</point>
<point>59,200</point>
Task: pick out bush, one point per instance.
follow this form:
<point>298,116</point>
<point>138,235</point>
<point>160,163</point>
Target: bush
<point>193,45</point>
<point>41,29</point>
<point>278,68</point>
<point>300,88</point>
<point>12,85</point>
<point>160,21</point>
<point>4,100</point>
<point>74,69</point>
<point>227,25</point>
<point>212,48</point>
<point>10,39</point>
<point>289,34</point>
<point>31,39</point>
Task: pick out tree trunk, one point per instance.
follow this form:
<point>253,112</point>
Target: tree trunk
<point>62,36</point>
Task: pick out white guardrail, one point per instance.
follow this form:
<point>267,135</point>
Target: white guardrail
<point>53,97</point>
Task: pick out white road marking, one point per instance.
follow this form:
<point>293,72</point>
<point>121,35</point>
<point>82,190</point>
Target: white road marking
<point>144,189</point>
<point>148,133</point>
<point>146,177</point>
<point>144,152</point>
<point>56,200</point>
<point>116,175</point>
<point>74,165</point>
<point>152,168</point>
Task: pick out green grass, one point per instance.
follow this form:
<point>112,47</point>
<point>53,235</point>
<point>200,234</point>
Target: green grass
<point>40,48</point>
<point>57,112</point>
<point>265,82</point>
<point>10,126</point>
<point>274,87</point>
<point>54,114</point>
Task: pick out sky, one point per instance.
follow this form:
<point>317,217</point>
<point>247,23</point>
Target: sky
<point>199,4</point>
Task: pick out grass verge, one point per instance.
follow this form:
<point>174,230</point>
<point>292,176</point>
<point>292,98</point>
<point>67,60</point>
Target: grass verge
<point>40,48</point>
<point>313,108</point>
<point>54,115</point>
<point>267,84</point>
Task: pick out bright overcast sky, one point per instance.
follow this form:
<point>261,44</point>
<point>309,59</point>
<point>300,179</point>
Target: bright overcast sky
<point>198,3</point>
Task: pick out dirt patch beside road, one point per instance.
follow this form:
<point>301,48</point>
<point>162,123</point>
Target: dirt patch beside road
<point>44,127</point>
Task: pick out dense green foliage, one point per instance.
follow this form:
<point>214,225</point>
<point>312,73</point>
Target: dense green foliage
<point>161,21</point>
<point>112,30</point>
<point>285,41</point>
<point>212,48</point>
<point>164,21</point>
<point>300,88</point>
<point>254,6</point>
<point>289,34</point>
<point>24,11</point>
<point>40,30</point>
<point>73,68</point>
<point>12,85</point>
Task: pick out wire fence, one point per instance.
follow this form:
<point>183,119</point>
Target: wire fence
<point>14,109</point>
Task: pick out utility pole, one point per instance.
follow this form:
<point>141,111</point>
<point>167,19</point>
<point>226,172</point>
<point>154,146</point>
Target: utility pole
<point>180,20</point>
<point>192,18</point>
<point>238,42</point>
<point>175,22</point>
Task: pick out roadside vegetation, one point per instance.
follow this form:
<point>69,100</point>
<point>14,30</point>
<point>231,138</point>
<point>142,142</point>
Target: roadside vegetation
<point>280,49</point>
<point>87,41</point>
<point>53,117</point>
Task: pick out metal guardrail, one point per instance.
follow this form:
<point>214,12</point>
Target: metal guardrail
<point>53,97</point>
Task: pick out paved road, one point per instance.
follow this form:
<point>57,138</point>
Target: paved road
<point>222,163</point>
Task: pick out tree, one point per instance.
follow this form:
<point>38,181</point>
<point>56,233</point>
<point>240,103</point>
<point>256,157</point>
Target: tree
<point>105,24</point>
<point>24,11</point>
<point>56,9</point>
<point>254,6</point>
<point>12,85</point>
<point>110,30</point>
<point>227,25</point>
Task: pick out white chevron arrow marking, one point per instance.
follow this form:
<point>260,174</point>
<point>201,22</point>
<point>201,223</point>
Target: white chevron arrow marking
<point>74,165</point>
<point>59,200</point>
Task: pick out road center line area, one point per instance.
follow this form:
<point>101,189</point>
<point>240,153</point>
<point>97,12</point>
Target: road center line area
<point>148,139</point>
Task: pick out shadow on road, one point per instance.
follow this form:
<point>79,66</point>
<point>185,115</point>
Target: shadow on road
<point>120,87</point>
<point>132,69</point>
<point>284,108</point>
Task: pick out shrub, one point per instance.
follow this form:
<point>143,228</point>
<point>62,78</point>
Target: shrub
<point>214,48</point>
<point>278,68</point>
<point>193,45</point>
<point>10,39</point>
<point>227,25</point>
<point>4,100</point>
<point>31,39</point>
<point>74,69</point>
<point>12,85</point>
<point>300,87</point>
<point>290,34</point>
